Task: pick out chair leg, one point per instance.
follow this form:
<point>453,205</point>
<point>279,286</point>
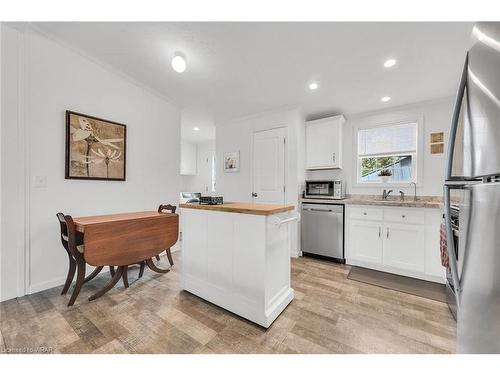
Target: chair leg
<point>80,276</point>
<point>112,270</point>
<point>125,276</point>
<point>152,267</point>
<point>141,270</point>
<point>111,283</point>
<point>169,256</point>
<point>71,274</point>
<point>94,273</point>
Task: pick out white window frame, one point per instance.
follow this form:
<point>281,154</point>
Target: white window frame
<point>417,156</point>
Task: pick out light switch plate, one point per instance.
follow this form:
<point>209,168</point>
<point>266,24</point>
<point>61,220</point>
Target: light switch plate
<point>40,182</point>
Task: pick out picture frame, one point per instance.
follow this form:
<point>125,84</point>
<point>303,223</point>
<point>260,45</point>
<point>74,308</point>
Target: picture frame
<point>231,161</point>
<point>95,148</point>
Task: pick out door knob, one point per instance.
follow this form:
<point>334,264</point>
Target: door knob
<point>254,195</point>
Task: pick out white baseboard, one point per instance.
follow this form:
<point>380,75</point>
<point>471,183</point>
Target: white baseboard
<point>35,288</point>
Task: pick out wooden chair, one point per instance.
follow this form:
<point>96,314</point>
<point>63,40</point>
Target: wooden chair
<point>161,208</point>
<point>72,242</point>
<point>171,209</point>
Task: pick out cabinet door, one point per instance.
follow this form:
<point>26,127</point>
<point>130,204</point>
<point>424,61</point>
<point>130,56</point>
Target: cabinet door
<point>365,242</point>
<point>323,140</point>
<point>404,246</point>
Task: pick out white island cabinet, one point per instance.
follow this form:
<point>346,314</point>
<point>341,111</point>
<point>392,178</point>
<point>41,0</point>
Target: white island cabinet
<point>237,256</point>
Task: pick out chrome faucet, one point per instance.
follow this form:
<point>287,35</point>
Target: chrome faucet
<point>385,194</point>
<point>414,191</point>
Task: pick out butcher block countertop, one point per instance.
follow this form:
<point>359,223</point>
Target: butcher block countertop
<point>242,208</point>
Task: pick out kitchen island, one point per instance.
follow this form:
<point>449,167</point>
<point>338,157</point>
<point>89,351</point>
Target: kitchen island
<point>237,256</point>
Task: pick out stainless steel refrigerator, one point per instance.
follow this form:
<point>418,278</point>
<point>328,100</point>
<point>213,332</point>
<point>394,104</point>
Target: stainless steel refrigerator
<point>473,186</point>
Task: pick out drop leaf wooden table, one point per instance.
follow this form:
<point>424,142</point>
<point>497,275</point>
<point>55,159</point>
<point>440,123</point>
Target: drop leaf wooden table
<point>123,239</point>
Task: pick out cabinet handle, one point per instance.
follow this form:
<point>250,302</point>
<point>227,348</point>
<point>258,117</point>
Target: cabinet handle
<point>364,213</point>
<point>403,216</point>
<point>379,232</point>
<point>334,157</point>
<point>387,233</point>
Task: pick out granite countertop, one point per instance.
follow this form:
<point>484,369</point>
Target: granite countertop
<point>242,208</point>
<point>392,201</point>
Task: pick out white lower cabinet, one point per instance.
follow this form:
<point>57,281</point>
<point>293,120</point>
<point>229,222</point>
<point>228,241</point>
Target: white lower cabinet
<point>404,246</point>
<point>365,240</point>
<point>403,241</point>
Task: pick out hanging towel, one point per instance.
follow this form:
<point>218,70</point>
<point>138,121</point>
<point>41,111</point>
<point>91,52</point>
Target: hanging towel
<point>443,245</point>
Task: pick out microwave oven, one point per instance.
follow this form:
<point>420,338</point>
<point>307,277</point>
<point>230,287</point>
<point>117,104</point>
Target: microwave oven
<point>325,189</point>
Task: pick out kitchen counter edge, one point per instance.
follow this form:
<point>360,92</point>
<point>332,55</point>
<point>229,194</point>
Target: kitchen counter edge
<point>242,208</point>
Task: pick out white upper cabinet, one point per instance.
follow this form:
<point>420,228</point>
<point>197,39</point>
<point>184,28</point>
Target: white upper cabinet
<point>324,143</point>
<point>188,158</point>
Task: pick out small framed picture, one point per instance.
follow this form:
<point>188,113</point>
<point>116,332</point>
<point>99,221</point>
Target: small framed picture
<point>232,161</point>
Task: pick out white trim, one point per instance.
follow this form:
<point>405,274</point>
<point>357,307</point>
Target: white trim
<point>45,285</point>
<point>371,122</point>
<point>23,280</point>
<point>27,161</point>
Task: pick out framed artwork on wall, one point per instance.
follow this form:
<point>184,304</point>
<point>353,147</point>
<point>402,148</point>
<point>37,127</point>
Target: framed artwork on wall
<point>232,161</point>
<point>95,148</point>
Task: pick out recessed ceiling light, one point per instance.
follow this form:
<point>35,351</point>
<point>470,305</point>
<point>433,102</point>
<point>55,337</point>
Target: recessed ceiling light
<point>385,99</point>
<point>178,63</point>
<point>389,63</point>
<point>313,86</point>
<point>196,128</point>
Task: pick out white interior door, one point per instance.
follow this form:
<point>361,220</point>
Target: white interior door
<point>269,166</point>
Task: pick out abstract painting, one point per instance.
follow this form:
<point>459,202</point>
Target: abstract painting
<point>95,148</point>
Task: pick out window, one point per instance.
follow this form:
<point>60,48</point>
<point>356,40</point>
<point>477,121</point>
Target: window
<point>387,154</point>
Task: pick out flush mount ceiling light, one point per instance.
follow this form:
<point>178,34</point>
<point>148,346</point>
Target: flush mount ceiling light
<point>389,63</point>
<point>196,128</point>
<point>179,63</point>
<point>385,99</point>
<point>313,86</point>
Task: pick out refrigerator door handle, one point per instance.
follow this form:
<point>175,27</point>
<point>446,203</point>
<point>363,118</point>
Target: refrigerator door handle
<point>456,116</point>
<point>450,244</point>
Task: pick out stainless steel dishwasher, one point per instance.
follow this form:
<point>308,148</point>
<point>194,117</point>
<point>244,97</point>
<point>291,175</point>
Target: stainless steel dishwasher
<point>322,230</point>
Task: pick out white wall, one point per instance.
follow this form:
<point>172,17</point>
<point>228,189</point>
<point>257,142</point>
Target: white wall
<point>45,79</point>
<point>436,117</point>
<point>201,182</point>
<point>237,135</point>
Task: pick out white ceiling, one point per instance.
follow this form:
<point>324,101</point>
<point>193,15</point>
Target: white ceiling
<point>237,69</point>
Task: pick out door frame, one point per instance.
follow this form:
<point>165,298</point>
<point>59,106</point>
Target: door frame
<point>285,159</point>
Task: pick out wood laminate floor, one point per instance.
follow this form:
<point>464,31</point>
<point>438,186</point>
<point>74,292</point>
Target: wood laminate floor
<point>330,314</point>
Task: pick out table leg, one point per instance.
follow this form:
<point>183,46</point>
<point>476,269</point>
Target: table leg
<point>125,276</point>
<point>169,256</point>
<point>109,285</point>
<point>141,270</point>
<point>93,274</point>
<point>153,267</point>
